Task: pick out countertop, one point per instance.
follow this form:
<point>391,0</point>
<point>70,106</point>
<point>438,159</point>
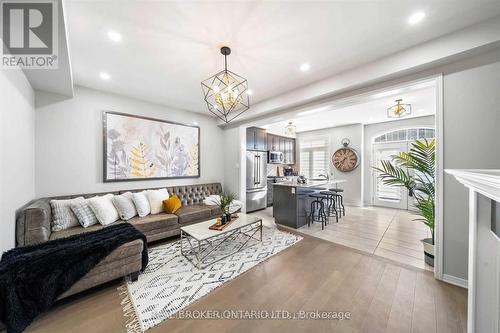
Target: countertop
<point>313,183</point>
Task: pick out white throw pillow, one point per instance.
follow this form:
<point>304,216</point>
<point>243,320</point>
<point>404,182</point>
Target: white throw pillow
<point>62,215</point>
<point>104,209</point>
<point>141,203</point>
<point>155,198</point>
<point>125,206</point>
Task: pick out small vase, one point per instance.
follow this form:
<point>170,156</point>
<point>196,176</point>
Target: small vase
<point>228,217</point>
<point>223,219</point>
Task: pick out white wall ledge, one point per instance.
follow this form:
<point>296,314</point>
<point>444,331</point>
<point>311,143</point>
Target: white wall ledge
<point>486,182</point>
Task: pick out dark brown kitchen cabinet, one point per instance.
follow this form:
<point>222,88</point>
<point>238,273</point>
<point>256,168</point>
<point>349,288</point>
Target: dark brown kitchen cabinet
<point>283,144</point>
<point>287,151</point>
<point>272,142</point>
<point>290,149</point>
<point>270,183</point>
<point>256,139</point>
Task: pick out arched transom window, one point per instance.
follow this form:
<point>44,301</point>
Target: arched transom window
<point>408,134</point>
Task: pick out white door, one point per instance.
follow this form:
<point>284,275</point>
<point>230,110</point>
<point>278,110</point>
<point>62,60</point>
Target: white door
<point>385,195</point>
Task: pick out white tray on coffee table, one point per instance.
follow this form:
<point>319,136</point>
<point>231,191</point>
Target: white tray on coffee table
<point>198,242</point>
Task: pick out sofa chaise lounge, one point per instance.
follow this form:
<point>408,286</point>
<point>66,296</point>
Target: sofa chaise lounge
<point>33,226</point>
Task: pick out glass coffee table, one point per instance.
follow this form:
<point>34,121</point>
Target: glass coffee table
<point>204,247</point>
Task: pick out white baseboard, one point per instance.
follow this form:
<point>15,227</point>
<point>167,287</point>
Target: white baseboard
<point>455,281</point>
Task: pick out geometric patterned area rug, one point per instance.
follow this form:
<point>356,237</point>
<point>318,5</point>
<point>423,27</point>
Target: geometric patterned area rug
<point>171,282</point>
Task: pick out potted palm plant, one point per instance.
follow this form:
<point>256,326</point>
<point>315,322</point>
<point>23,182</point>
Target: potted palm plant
<point>415,170</point>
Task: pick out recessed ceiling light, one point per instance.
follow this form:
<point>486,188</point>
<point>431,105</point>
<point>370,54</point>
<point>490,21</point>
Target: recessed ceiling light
<point>305,67</point>
<point>416,18</point>
<point>114,36</point>
<point>104,76</point>
<point>249,92</point>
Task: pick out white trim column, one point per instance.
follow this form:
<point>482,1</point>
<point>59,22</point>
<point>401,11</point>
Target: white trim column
<point>484,249</point>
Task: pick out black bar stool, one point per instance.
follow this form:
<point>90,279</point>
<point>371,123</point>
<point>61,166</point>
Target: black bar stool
<point>317,213</point>
<point>331,210</point>
<point>339,200</point>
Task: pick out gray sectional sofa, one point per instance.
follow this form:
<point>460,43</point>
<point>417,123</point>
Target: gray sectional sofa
<point>33,226</point>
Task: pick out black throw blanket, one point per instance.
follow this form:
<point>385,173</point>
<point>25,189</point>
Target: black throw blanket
<point>32,277</point>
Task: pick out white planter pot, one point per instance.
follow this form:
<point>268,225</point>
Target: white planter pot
<point>428,251</point>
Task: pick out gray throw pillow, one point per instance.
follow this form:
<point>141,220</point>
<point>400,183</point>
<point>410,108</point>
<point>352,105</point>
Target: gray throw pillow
<point>85,215</point>
<point>125,206</point>
<point>62,215</point>
<point>141,203</point>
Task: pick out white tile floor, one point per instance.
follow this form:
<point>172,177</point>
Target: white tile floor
<point>389,233</point>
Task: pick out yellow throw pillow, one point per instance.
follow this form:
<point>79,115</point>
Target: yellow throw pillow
<point>172,204</point>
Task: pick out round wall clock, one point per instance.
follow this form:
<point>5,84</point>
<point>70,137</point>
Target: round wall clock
<point>345,159</point>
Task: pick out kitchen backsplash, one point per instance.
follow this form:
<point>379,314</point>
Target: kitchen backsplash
<point>272,169</point>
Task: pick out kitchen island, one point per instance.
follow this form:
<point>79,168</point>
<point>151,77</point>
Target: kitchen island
<point>291,200</point>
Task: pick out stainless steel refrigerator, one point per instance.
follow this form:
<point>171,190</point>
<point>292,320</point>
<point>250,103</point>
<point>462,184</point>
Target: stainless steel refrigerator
<point>256,180</point>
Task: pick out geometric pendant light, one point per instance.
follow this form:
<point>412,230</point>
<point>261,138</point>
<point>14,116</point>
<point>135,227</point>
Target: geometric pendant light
<point>399,110</point>
<point>225,92</point>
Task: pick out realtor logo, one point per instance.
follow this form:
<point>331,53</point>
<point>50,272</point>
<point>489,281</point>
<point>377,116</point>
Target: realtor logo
<point>29,34</point>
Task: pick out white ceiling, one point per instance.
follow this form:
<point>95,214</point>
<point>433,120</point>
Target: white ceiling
<point>60,80</point>
<point>168,47</point>
<point>373,109</point>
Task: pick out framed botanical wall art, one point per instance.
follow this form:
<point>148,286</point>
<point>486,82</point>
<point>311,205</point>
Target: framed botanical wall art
<point>139,148</point>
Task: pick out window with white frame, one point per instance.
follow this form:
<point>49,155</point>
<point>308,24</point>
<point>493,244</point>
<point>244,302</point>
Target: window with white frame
<point>409,134</point>
<point>313,156</point>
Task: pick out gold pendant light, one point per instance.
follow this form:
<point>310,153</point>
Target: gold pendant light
<point>399,110</point>
<point>290,129</point>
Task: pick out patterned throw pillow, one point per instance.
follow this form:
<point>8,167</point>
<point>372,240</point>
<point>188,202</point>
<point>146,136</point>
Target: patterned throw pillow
<point>104,209</point>
<point>125,206</point>
<point>155,198</point>
<point>84,213</point>
<point>141,203</point>
<point>63,216</point>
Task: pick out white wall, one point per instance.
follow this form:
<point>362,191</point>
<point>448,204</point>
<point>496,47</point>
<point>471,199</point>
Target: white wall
<point>373,130</point>
<point>471,139</point>
<point>69,142</point>
<point>352,187</point>
<point>17,144</point>
<point>232,156</point>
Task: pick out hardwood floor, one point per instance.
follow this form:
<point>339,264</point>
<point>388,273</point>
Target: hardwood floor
<point>381,296</point>
<point>389,233</point>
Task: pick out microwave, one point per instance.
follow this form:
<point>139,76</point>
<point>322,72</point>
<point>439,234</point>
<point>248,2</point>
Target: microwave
<point>275,157</point>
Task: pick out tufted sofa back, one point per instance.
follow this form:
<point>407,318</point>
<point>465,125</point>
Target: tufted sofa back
<point>195,194</point>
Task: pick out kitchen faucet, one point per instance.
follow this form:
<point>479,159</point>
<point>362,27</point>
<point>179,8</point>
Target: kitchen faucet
<point>325,175</point>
